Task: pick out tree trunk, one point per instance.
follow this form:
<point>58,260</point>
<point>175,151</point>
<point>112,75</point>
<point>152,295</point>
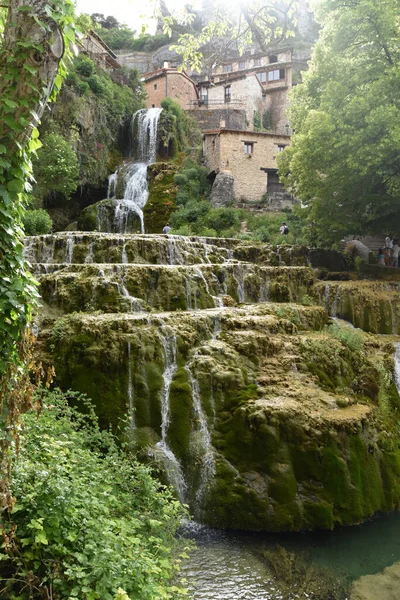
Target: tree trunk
<point>30,53</point>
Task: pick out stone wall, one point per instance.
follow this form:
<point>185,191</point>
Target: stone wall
<point>209,118</point>
<point>170,84</point>
<point>245,94</point>
<point>135,60</point>
<point>277,102</point>
<point>211,152</point>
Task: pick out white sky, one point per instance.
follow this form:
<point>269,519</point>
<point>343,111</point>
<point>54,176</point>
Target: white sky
<point>131,12</point>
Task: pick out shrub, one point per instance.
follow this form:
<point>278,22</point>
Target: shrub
<point>56,167</point>
<point>223,218</point>
<point>84,66</point>
<point>90,522</point>
<point>37,222</point>
<point>96,85</point>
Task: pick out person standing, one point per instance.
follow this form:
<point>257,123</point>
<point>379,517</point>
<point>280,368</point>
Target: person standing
<point>381,257</point>
<point>388,242</point>
<point>394,259</point>
<point>284,229</point>
<point>166,228</point>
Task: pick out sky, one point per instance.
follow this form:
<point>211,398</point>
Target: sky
<point>131,12</point>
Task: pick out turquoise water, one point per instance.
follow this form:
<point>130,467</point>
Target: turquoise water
<point>227,565</point>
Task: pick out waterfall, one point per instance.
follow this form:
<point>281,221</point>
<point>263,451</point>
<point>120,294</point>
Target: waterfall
<point>327,293</point>
<point>135,197</point>
<point>69,248</point>
<point>112,185</point>
<point>130,392</point>
<point>397,367</point>
<point>174,469</point>
<point>207,462</point>
<point>238,275</point>
<point>145,124</point>
<point>335,302</point>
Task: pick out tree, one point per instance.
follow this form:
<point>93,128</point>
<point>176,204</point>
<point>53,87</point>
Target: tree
<point>233,27</point>
<point>345,154</point>
<point>31,48</point>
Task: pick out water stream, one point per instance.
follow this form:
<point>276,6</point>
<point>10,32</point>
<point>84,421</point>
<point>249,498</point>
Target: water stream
<point>144,129</point>
<point>227,565</point>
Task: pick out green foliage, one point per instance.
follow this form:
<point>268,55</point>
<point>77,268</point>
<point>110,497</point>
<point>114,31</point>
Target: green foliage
<point>257,121</point>
<point>267,122</point>
<point>176,128</point>
<point>91,522</point>
<point>263,122</point>
<point>267,25</point>
<point>55,167</point>
<point>343,162</point>
<point>37,222</point>
<point>89,114</point>
<point>196,216</point>
<point>83,66</point>
<point>28,78</point>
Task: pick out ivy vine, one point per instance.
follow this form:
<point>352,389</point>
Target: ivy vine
<point>35,41</point>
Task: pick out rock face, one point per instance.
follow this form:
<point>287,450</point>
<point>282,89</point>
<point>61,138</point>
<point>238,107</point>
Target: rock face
<point>222,193</point>
<point>238,393</point>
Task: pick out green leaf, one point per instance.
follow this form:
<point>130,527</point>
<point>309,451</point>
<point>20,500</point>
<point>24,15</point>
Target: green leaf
<point>40,538</point>
<point>30,69</point>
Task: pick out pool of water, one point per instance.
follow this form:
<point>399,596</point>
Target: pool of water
<point>227,565</point>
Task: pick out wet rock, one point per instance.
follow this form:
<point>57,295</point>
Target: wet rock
<point>385,585</point>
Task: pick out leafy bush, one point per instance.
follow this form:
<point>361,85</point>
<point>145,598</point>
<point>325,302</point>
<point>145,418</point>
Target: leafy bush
<point>56,167</point>
<point>37,222</point>
<point>89,522</point>
<point>221,219</point>
<point>97,85</point>
<point>84,66</point>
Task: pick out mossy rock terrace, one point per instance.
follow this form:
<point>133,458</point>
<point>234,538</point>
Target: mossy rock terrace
<point>240,390</point>
<point>370,305</point>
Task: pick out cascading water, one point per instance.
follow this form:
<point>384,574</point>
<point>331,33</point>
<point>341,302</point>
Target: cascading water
<point>207,462</point>
<point>174,468</point>
<point>397,367</point>
<point>144,129</point>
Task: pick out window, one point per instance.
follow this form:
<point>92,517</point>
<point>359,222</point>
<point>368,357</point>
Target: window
<point>227,68</point>
<point>276,74</point>
<point>227,93</point>
<point>272,58</point>
<point>242,65</point>
<point>248,147</point>
<point>281,147</point>
<point>257,62</point>
<point>262,77</point>
<point>155,86</point>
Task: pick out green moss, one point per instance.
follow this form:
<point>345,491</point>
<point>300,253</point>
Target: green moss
<point>181,414</point>
<point>318,515</point>
<point>162,196</point>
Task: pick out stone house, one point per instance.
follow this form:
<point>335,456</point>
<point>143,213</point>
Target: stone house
<point>93,45</point>
<point>249,156</point>
<point>171,83</point>
<point>257,84</point>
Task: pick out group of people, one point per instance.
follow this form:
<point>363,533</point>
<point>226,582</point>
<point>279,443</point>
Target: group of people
<point>389,255</point>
